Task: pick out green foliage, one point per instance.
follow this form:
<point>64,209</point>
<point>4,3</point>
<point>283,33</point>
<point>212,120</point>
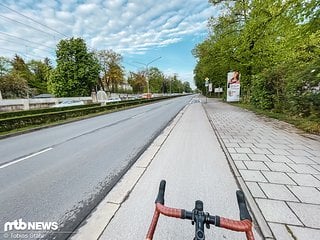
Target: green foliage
<point>77,69</point>
<point>13,86</point>
<point>111,70</point>
<point>41,72</point>
<point>21,79</point>
<point>156,79</point>
<point>186,87</point>
<point>158,82</point>
<point>276,47</point>
<point>176,85</point>
<point>137,81</point>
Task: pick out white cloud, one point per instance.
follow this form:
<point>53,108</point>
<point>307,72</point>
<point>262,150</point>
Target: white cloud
<point>117,24</point>
<point>126,26</point>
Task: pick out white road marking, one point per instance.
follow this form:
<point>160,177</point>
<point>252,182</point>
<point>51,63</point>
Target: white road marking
<point>25,158</point>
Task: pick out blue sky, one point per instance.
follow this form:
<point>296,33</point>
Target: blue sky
<point>141,30</point>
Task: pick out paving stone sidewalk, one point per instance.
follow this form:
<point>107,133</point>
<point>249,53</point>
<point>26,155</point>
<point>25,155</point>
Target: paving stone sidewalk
<point>280,167</point>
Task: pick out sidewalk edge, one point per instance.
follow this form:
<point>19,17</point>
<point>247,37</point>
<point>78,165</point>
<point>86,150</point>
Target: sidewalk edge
<point>262,223</point>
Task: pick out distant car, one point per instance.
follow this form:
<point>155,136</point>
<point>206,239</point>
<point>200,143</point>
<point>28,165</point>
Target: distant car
<point>68,103</point>
<point>113,99</point>
<point>147,95</point>
<point>133,97</point>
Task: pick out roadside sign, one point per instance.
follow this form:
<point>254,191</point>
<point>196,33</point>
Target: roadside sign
<point>207,82</point>
<point>210,87</point>
<point>218,90</point>
<point>233,87</point>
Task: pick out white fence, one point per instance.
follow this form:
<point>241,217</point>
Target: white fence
<point>7,105</point>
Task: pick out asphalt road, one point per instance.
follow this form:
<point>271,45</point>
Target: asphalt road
<point>59,174</point>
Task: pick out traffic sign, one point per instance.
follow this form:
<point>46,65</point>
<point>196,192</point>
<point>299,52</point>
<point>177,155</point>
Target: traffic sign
<point>207,82</point>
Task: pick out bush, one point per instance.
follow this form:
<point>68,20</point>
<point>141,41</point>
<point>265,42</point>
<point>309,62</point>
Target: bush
<point>43,110</point>
<point>8,124</point>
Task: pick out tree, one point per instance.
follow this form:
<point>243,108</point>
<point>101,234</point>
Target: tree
<point>186,87</point>
<point>21,69</point>
<point>173,84</point>
<point>13,86</point>
<point>137,81</point>
<point>41,72</point>
<point>111,70</point>
<point>156,79</point>
<point>77,69</point>
<point>274,44</point>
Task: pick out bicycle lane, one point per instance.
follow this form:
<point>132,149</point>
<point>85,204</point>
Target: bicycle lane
<point>195,167</point>
<point>277,165</point>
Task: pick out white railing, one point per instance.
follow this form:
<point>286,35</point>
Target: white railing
<point>7,105</point>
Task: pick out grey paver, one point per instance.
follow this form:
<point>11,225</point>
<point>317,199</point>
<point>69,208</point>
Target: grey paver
<point>283,169</point>
<point>232,145</point>
<point>255,165</point>
<point>304,233</point>
<point>279,158</point>
<point>278,177</point>
<point>259,157</point>
<point>243,150</point>
<point>305,179</point>
<point>279,167</point>
<point>260,150</point>
<point>255,190</point>
<point>280,231</point>
<point>303,168</point>
<point>233,140</point>
<point>299,147</point>
<point>250,140</point>
<point>315,159</point>
<point>297,152</point>
<point>281,146</point>
<point>231,150</point>
<point>301,159</point>
<point>262,145</point>
<point>277,211</point>
<point>306,194</point>
<point>314,152</point>
<point>278,151</point>
<point>240,165</point>
<point>246,145</point>
<point>307,213</point>
<point>277,192</point>
<point>315,166</point>
<point>239,156</point>
<point>251,175</point>
<point>317,176</point>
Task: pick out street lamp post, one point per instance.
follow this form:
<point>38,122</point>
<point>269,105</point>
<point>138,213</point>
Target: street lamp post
<point>147,70</point>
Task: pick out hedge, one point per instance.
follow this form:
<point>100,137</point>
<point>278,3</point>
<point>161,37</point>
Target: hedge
<point>17,122</point>
<point>43,110</point>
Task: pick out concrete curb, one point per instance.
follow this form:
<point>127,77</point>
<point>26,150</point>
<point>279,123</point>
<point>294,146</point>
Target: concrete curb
<point>98,220</point>
<point>262,223</point>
